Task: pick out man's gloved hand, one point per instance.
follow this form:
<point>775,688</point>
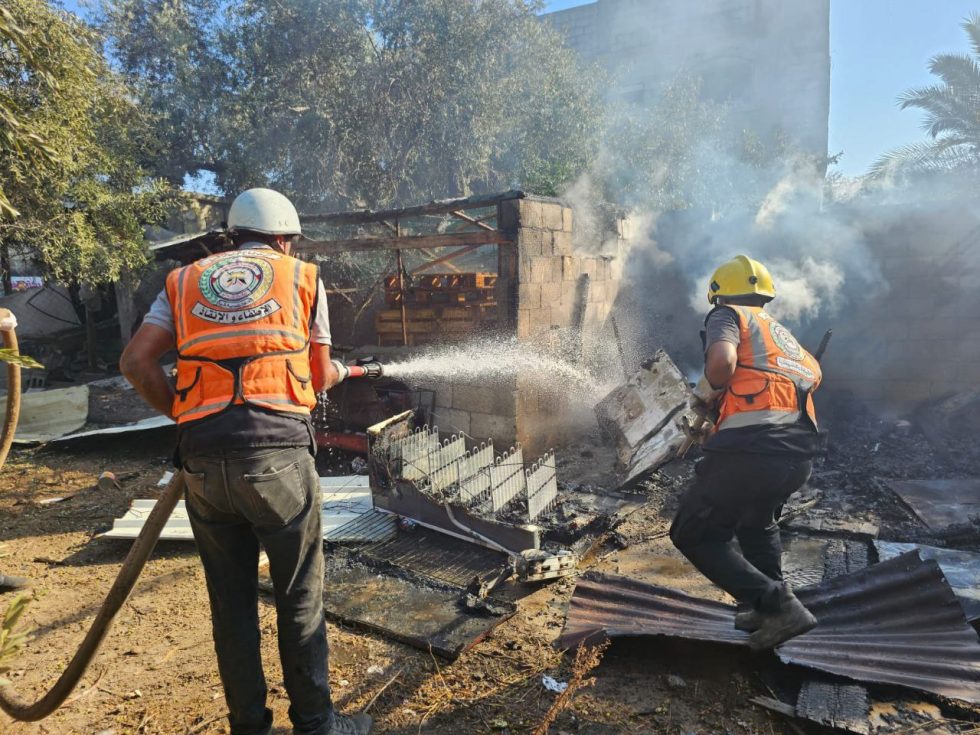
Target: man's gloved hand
<point>706,399</point>
<point>342,372</point>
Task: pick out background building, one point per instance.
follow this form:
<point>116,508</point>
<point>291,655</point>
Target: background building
<point>770,59</point>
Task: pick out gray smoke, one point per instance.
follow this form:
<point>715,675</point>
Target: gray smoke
<point>877,260</point>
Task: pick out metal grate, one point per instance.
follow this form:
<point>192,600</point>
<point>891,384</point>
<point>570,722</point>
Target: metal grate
<point>438,557</point>
<point>507,478</point>
<point>542,487</point>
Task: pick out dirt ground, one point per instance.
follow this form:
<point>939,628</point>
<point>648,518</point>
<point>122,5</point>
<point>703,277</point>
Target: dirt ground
<point>156,672</point>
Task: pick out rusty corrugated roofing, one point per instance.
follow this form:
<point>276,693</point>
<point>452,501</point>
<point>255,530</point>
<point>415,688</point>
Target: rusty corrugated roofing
<point>897,622</point>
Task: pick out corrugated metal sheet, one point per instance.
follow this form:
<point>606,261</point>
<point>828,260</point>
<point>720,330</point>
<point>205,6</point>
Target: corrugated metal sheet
<point>347,513</point>
<point>897,622</point>
<point>962,570</point>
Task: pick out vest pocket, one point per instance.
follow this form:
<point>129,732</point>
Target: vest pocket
<point>182,393</point>
<point>749,392</point>
<point>299,385</point>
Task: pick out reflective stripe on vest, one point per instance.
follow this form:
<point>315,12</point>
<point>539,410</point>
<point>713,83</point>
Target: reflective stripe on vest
<point>772,373</point>
<point>242,323</point>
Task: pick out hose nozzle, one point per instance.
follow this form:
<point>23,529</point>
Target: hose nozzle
<point>366,369</point>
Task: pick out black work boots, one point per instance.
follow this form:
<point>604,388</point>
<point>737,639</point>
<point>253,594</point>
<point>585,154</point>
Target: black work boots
<point>789,620</point>
<point>359,724</point>
<point>747,618</point>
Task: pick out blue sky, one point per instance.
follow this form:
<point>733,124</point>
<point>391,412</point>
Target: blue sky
<point>879,48</point>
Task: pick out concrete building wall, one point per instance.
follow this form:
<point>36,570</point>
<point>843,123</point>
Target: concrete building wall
<point>769,58</point>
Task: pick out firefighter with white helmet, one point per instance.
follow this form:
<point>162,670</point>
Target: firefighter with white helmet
<point>252,335</point>
<point>758,386</point>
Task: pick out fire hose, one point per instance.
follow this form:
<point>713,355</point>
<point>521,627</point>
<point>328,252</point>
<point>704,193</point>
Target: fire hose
<point>7,325</point>
<point>20,709</point>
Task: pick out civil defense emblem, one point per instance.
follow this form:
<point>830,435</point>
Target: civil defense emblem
<point>785,340</point>
<point>236,283</point>
<point>234,289</point>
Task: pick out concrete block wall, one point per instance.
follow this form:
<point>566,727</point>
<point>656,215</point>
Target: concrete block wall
<point>559,288</point>
<point>542,290</point>
<point>478,411</point>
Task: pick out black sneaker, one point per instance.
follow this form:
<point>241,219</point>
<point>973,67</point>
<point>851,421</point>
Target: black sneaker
<point>789,621</point>
<point>359,724</point>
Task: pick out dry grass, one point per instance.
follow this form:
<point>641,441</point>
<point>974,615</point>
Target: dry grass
<point>11,641</point>
<point>586,659</point>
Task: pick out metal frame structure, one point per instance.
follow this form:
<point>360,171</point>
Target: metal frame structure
<point>398,230</point>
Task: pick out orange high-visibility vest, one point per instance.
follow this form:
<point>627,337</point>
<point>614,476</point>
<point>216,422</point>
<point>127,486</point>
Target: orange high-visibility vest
<point>243,323</point>
<point>774,376</point>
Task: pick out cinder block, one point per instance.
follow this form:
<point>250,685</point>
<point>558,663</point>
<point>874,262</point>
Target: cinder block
<point>529,295</point>
<point>561,243</point>
<point>485,399</point>
<point>616,269</point>
<point>540,320</point>
<point>530,214</point>
<point>452,420</point>
<point>550,293</point>
<point>597,292</point>
<point>551,216</point>
<point>501,429</point>
<point>542,269</point>
<point>444,396</point>
<point>523,323</point>
<point>569,292</point>
<point>530,243</point>
<point>561,315</point>
<point>569,268</point>
<point>567,219</point>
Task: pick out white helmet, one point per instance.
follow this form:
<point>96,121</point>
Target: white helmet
<point>263,210</point>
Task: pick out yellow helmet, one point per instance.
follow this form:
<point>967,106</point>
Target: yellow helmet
<point>741,276</point>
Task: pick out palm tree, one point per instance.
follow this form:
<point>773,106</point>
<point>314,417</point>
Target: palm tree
<point>952,115</point>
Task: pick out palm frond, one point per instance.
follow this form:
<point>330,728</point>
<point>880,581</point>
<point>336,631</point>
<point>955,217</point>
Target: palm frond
<point>960,71</point>
<point>972,27</point>
<point>943,154</point>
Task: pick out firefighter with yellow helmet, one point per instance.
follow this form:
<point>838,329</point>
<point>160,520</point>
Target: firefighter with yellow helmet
<point>758,386</point>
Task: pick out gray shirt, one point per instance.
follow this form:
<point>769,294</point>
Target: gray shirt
<point>161,315</point>
<point>722,326</point>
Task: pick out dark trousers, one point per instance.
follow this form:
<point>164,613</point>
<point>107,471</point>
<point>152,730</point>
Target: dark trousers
<point>739,496</point>
<point>235,500</point>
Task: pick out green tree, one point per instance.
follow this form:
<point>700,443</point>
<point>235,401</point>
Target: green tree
<point>353,103</point>
<point>952,115</point>
<point>77,183</point>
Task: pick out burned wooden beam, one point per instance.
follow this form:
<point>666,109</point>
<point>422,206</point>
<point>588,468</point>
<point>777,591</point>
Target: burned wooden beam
<point>441,206</point>
<point>446,258</point>
<point>416,242</point>
<point>473,221</point>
